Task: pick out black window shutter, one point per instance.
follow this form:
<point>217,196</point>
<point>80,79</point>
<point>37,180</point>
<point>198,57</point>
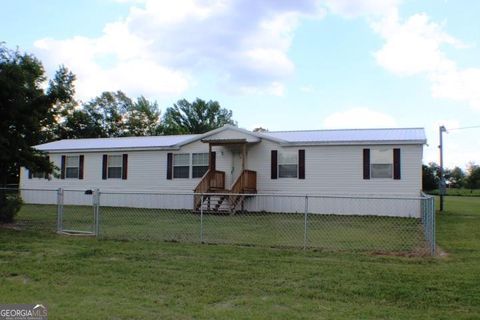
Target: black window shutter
<point>214,161</point>
<point>366,164</point>
<point>169,165</point>
<point>124,166</point>
<point>47,176</point>
<point>30,174</point>
<point>396,164</point>
<point>301,164</point>
<point>104,166</point>
<point>80,167</point>
<point>62,167</point>
<point>274,164</point>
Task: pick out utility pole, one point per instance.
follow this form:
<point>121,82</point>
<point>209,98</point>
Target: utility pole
<point>441,183</point>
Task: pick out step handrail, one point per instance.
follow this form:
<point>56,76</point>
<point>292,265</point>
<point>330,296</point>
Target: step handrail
<point>212,179</point>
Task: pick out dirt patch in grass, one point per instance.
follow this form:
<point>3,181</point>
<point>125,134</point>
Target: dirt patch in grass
<point>12,226</point>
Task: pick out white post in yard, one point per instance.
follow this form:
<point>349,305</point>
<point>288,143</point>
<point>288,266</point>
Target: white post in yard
<point>59,209</point>
<point>442,185</point>
<point>305,224</point>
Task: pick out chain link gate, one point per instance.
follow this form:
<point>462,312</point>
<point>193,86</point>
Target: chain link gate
<point>78,211</point>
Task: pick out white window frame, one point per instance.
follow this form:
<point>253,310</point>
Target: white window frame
<point>197,165</point>
<point>383,157</point>
<point>283,160</point>
<point>72,167</point>
<point>188,165</point>
<point>109,166</point>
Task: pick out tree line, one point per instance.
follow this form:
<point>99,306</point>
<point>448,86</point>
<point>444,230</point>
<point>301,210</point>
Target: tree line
<point>114,114</point>
<point>454,178</point>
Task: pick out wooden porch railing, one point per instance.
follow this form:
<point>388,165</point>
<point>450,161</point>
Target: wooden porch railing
<point>212,180</point>
<point>245,183</point>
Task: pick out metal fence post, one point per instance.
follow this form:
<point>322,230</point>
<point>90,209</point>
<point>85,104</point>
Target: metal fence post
<point>201,218</point>
<point>425,201</point>
<point>432,204</point>
<point>59,209</point>
<point>305,223</point>
<point>96,211</point>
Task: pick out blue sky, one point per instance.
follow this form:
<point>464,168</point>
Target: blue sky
<point>282,65</point>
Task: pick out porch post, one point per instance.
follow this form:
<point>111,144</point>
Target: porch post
<point>244,155</point>
<point>210,156</point>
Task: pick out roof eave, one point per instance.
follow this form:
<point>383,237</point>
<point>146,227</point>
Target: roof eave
<point>90,150</point>
<point>353,143</point>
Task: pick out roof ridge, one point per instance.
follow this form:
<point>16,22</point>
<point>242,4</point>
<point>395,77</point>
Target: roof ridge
<point>132,137</point>
<point>352,129</point>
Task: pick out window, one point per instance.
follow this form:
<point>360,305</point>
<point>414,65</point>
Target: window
<point>381,166</point>
<point>287,165</point>
<point>72,167</point>
<point>181,165</point>
<point>39,175</point>
<point>114,170</point>
<point>199,164</point>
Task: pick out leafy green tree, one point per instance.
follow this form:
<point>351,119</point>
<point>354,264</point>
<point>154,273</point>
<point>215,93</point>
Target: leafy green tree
<point>62,86</point>
<point>430,176</point>
<point>473,178</point>
<point>196,117</point>
<point>143,118</point>
<point>101,117</point>
<point>108,110</point>
<point>80,124</point>
<point>27,116</point>
<point>455,177</point>
<point>27,111</point>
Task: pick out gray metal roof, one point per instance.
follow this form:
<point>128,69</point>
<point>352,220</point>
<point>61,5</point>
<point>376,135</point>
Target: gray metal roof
<point>412,135</point>
<point>116,143</point>
<point>313,137</point>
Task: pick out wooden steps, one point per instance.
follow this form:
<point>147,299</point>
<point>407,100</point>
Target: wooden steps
<point>217,199</point>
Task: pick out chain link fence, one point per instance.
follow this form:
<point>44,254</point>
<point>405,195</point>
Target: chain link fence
<point>327,222</point>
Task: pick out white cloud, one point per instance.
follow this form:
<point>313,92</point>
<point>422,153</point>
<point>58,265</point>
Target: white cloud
<point>415,47</point>
<point>116,61</point>
<point>307,88</point>
<point>359,118</point>
<point>354,8</point>
<point>458,85</point>
<point>412,47</point>
<point>160,45</point>
<point>274,89</point>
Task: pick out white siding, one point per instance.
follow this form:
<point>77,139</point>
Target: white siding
<point>394,206</point>
<point>336,170</point>
<point>147,170</point>
<point>329,170</point>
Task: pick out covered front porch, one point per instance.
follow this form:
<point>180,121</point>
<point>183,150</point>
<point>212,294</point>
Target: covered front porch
<point>217,196</point>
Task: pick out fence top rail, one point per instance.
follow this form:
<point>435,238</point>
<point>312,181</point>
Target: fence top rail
<point>288,195</point>
<point>166,193</point>
<point>326,196</point>
<point>422,196</point>
<point>28,189</point>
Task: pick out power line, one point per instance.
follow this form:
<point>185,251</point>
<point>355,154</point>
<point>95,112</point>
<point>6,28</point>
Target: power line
<point>461,128</point>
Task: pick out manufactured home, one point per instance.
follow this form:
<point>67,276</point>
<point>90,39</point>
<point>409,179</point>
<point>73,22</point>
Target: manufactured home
<point>236,164</point>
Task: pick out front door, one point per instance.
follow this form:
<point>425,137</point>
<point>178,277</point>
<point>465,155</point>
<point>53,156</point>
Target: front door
<point>236,167</point>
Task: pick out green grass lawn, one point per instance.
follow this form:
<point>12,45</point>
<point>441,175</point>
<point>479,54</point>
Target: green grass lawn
<point>459,192</point>
<point>85,278</point>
